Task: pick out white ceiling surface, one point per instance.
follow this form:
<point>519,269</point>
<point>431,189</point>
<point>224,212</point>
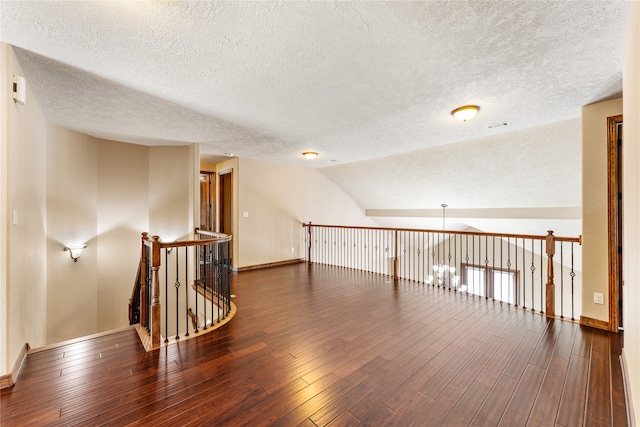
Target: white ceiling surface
<point>355,81</point>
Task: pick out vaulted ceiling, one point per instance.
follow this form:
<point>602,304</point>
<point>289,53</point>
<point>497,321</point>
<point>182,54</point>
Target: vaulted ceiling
<point>368,85</point>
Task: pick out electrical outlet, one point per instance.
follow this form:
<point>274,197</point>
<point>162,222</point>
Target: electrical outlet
<point>598,298</point>
<point>293,250</point>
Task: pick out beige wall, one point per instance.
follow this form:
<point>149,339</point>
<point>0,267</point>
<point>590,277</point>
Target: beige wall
<point>172,177</point>
<point>631,182</point>
<point>68,188</point>
<point>24,291</point>
<point>278,199</point>
<point>595,205</point>
<point>122,214</point>
<point>71,188</point>
<point>4,220</point>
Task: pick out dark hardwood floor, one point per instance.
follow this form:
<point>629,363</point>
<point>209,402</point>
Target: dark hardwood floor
<point>315,345</point>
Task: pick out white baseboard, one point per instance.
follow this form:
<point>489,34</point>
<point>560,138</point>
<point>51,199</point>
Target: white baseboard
<point>9,380</point>
<point>627,390</point>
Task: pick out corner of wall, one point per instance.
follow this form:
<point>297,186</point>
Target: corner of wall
<point>595,206</point>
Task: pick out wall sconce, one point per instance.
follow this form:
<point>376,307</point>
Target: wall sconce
<point>75,251</point>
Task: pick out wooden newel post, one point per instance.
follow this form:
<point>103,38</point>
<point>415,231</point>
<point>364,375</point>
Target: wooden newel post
<point>550,288</point>
<point>309,244</point>
<point>155,298</point>
<point>143,282</point>
<point>395,257</point>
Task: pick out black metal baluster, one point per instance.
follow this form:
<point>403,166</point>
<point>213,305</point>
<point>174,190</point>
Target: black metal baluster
<point>486,267</point>
<point>542,284</point>
<point>524,276</point>
<point>516,275</point>
<point>205,274</point>
<point>573,275</point>
<point>214,281</point>
<point>561,282</point>
<point>198,278</point>
<point>464,275</point>
<point>501,270</point>
<point>186,289</point>
<point>177,286</point>
<point>448,272</point>
<point>149,285</point>
<point>166,296</point>
<point>533,279</point>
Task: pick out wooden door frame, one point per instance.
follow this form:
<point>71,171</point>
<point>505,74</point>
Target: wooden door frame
<point>614,263</point>
<point>212,199</point>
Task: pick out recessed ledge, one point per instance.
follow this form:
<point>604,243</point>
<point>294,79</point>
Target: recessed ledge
<point>493,213</point>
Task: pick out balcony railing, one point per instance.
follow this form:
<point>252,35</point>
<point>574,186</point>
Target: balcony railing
<point>541,273</point>
<point>182,288</point>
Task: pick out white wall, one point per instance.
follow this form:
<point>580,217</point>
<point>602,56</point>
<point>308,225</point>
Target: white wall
<point>278,199</point>
<point>595,220</point>
<point>24,293</point>
<point>631,181</point>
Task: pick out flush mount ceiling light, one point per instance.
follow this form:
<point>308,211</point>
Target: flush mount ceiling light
<point>310,155</point>
<point>465,113</point>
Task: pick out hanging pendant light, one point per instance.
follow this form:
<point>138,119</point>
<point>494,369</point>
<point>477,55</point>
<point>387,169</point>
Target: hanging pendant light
<point>444,274</point>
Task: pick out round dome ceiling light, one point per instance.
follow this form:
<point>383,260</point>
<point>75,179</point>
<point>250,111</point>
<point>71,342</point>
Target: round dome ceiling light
<point>465,113</point>
<point>310,155</point>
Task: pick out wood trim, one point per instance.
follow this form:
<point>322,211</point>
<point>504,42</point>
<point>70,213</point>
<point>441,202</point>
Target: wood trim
<point>470,233</point>
<point>79,339</point>
<point>150,345</point>
<point>9,380</point>
<point>269,265</point>
<point>594,323</point>
<point>612,202</point>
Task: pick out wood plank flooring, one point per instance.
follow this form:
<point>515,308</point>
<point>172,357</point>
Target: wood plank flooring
<point>319,346</point>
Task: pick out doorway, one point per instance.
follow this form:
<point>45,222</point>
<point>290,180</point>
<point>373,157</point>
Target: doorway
<point>615,190</point>
<point>225,199</point>
<point>207,198</point>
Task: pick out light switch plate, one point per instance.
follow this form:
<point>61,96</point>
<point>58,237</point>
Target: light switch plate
<point>598,298</point>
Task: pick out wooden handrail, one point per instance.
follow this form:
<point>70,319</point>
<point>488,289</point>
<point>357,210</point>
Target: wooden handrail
<point>475,233</point>
<point>148,278</point>
<point>548,307</point>
<point>216,238</point>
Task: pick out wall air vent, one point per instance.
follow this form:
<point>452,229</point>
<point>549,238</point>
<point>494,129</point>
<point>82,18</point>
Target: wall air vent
<point>498,125</point>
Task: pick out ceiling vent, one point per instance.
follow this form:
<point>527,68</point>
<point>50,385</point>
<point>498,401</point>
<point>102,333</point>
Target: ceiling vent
<point>498,125</point>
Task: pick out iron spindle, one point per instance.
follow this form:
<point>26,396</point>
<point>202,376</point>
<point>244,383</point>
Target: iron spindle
<point>542,304</point>
<point>186,290</point>
<point>561,283</point>
<point>166,296</point>
<point>573,275</point>
<point>177,286</point>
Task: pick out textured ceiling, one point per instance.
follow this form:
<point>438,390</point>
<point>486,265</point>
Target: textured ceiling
<point>351,80</point>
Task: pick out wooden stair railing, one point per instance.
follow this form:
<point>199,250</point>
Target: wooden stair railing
<point>419,255</point>
<point>204,261</point>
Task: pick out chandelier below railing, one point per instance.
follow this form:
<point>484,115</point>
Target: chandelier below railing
<point>444,274</point>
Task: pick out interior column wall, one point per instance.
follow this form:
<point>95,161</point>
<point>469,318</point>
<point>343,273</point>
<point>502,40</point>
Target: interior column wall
<point>595,220</point>
<point>72,184</point>
<point>24,291</point>
<point>122,215</point>
<point>631,208</point>
<point>171,192</point>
